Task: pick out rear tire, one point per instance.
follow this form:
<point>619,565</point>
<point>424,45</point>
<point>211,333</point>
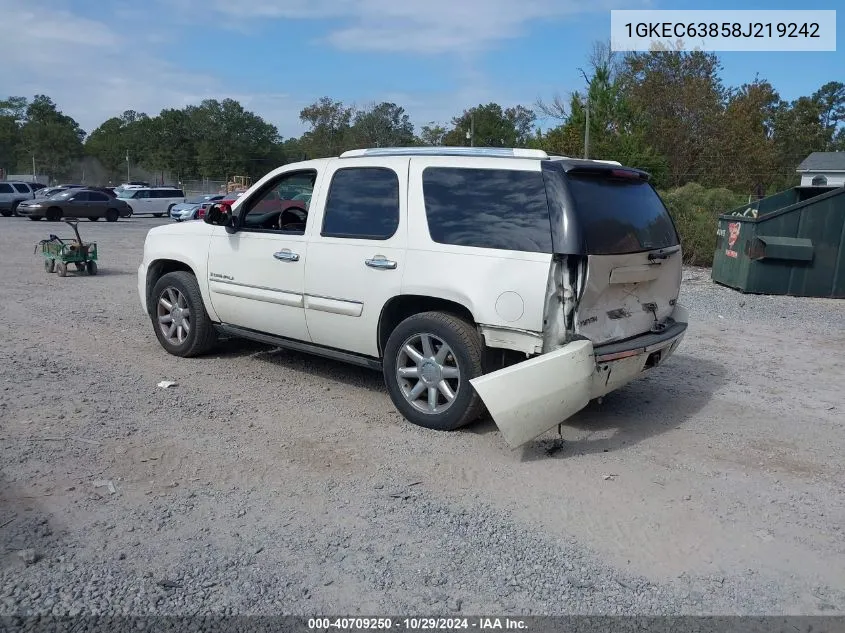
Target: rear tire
<point>157,215</point>
<point>49,265</point>
<point>35,218</point>
<point>112,215</point>
<point>61,269</point>
<point>15,209</point>
<point>91,267</point>
<point>175,289</point>
<point>94,219</point>
<point>416,380</point>
<point>54,214</point>
<point>6,214</point>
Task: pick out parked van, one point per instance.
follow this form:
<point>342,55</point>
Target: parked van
<point>156,201</point>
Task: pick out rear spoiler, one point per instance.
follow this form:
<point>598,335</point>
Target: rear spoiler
<point>608,170</point>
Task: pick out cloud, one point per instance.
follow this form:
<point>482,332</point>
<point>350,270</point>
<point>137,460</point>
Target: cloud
<point>96,67</point>
<point>413,26</point>
<point>94,71</point>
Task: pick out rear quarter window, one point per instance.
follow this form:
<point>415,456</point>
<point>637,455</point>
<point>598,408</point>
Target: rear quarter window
<point>22,189</point>
<point>620,215</point>
<point>6,188</point>
<point>487,208</point>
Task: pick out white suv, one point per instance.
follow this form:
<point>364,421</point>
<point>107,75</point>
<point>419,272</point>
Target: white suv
<point>471,277</point>
<point>157,201</point>
<point>12,193</point>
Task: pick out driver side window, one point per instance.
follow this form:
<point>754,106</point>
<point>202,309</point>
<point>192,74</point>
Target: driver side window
<point>281,205</point>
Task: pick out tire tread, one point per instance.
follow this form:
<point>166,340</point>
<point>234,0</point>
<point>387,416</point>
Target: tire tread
<point>206,336</point>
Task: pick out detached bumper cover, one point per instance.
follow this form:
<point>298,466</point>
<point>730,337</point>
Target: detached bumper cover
<point>531,397</point>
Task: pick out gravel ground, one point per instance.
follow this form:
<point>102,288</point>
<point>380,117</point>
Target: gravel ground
<point>271,482</point>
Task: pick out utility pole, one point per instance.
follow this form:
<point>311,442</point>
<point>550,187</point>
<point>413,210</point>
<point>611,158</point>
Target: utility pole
<point>587,131</point>
<point>472,130</point>
<point>33,168</point>
<point>127,166</point>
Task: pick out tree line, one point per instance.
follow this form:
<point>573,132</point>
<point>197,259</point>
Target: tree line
<point>668,112</point>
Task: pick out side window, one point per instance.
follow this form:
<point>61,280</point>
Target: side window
<point>22,188</point>
<point>363,203</point>
<point>281,205</point>
<point>487,208</point>
<point>82,196</point>
<point>5,188</point>
<point>141,194</point>
<point>97,197</point>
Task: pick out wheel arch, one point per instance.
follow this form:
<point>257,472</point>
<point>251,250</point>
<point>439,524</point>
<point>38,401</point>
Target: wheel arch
<point>160,267</point>
<point>402,306</point>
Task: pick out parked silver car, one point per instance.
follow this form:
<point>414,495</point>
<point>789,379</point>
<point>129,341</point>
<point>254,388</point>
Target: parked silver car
<point>188,210</point>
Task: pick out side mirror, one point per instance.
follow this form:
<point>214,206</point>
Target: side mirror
<point>218,214</point>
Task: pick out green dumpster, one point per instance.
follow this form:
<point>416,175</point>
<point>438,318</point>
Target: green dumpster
<point>791,243</point>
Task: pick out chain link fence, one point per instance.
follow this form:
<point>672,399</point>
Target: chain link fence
<point>202,187</point>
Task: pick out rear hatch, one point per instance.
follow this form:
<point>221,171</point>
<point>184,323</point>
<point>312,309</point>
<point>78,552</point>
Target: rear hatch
<point>633,273</point>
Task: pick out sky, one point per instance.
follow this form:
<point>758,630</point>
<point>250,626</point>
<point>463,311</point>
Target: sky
<point>97,58</point>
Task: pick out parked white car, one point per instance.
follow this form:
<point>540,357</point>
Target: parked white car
<point>470,277</point>
<point>156,201</point>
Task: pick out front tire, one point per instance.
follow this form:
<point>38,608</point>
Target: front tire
<point>54,214</point>
<point>428,362</point>
<point>35,218</point>
<point>94,219</point>
<point>157,215</point>
<point>178,315</point>
<point>112,215</point>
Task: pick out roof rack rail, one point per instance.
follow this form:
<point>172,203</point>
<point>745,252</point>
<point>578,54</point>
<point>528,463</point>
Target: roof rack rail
<point>493,152</point>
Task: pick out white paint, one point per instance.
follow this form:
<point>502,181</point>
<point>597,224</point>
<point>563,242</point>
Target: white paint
<point>642,283</point>
<point>510,306</point>
<point>527,399</point>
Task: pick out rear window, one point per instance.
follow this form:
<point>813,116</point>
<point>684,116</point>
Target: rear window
<point>619,215</point>
<point>487,208</point>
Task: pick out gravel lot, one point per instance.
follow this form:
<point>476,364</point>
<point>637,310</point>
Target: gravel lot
<point>269,482</point>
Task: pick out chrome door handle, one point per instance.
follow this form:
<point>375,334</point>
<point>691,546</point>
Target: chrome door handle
<point>380,262</point>
<point>287,255</point>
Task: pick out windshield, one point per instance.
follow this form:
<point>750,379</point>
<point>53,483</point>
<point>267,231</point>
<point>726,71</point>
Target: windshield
<point>620,215</point>
<point>126,193</point>
<point>64,195</point>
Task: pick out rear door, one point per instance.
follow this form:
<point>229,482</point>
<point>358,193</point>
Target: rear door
<point>633,272</point>
<point>357,251</point>
<point>97,204</point>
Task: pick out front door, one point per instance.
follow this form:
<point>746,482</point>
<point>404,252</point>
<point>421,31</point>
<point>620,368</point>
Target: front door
<point>256,276</point>
<point>356,254</point>
<point>78,205</point>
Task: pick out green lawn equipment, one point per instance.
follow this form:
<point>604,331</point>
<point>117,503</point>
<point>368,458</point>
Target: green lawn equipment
<point>59,254</point>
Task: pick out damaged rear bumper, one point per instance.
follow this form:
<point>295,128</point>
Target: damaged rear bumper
<point>527,399</point>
